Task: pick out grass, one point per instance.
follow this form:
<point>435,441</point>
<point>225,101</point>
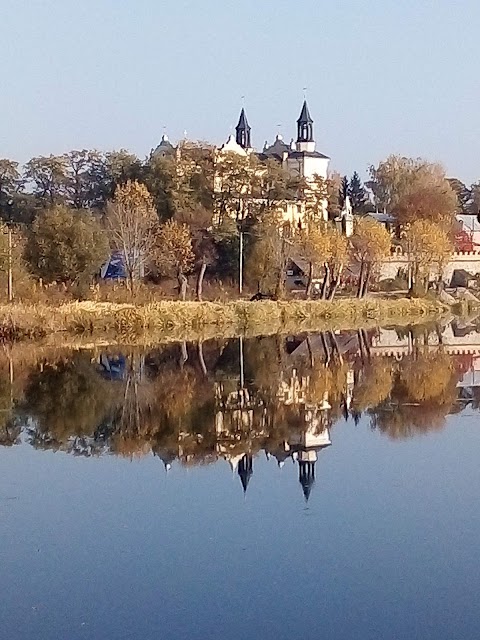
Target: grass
<point>193,320</point>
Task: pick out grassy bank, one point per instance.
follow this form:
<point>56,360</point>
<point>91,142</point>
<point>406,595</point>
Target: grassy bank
<point>192,320</point>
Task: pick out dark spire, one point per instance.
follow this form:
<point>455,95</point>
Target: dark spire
<point>305,125</point>
<point>243,130</point>
<point>245,470</point>
<point>306,476</point>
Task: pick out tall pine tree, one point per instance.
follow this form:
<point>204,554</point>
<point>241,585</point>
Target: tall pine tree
<point>358,195</point>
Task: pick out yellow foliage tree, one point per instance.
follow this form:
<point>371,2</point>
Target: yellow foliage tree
<point>413,189</point>
<point>174,253</point>
<point>429,249</point>
<point>371,243</point>
<point>133,223</point>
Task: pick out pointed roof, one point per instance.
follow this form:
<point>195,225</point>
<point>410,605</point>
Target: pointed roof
<point>242,121</point>
<point>305,117</point>
<point>245,470</point>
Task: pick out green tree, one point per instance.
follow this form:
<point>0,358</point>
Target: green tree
<point>10,178</point>
<point>66,246</point>
<point>358,195</point>
<point>49,178</point>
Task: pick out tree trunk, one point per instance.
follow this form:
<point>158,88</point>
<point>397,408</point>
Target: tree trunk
<point>308,290</point>
<point>202,359</point>
<point>366,281</point>
<point>326,281</point>
<point>335,283</point>
<point>182,285</point>
<point>201,275</point>
<point>361,276</point>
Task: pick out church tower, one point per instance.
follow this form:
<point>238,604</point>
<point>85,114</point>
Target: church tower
<point>243,131</point>
<point>305,141</point>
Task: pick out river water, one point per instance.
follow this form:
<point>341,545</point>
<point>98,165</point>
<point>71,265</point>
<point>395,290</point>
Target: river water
<point>310,486</point>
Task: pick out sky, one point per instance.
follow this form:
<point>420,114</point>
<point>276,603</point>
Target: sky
<point>381,76</point>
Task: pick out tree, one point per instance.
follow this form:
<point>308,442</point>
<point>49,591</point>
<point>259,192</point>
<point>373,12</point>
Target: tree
<point>429,248</point>
<point>66,246</point>
<point>315,194</point>
<point>358,195</point>
<point>10,178</point>
<point>337,258</point>
<point>49,178</point>
<point>236,180</point>
<point>271,250</point>
<point>464,195</point>
<point>133,225</point>
<point>85,179</point>
<point>312,244</point>
<point>370,243</point>
<point>174,253</point>
<point>335,198</point>
<point>412,189</point>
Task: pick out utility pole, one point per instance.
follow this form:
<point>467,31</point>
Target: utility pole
<point>10,274</point>
<point>240,266</point>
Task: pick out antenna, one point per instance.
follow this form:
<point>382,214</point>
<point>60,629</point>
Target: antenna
<point>305,89</point>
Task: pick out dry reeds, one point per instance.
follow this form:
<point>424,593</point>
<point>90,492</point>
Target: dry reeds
<point>193,320</point>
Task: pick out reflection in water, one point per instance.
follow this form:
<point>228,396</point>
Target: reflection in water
<point>231,399</point>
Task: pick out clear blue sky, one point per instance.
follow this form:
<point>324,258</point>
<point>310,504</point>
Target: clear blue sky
<point>383,76</point>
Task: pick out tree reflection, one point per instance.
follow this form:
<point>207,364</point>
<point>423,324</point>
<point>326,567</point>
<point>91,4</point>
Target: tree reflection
<point>228,399</point>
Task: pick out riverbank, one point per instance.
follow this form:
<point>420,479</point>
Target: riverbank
<point>169,320</point>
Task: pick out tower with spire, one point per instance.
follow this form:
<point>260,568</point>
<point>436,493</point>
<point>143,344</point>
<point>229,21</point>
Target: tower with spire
<point>243,131</point>
<point>305,140</point>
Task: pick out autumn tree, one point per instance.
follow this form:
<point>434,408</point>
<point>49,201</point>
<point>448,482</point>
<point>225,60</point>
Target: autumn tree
<point>133,225</point>
<point>66,245</point>
<point>370,244</point>
<point>271,251</point>
<point>428,248</point>
<point>338,256</point>
<point>412,189</point>
<point>236,181</point>
<point>173,253</point>
<point>313,245</point>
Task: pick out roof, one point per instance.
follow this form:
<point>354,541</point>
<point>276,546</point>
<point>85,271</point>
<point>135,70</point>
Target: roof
<point>305,117</point>
<point>242,121</point>
<point>307,154</point>
<point>165,147</point>
<point>277,149</point>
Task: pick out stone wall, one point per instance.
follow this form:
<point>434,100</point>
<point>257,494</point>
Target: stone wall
<point>466,260</point>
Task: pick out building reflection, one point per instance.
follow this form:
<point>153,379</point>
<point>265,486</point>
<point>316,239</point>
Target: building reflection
<point>234,399</point>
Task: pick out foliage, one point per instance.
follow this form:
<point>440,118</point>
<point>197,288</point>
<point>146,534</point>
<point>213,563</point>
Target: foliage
<point>66,245</point>
<point>133,223</point>
<point>370,244</point>
<point>358,195</point>
<point>429,248</point>
<point>412,189</point>
<point>173,253</point>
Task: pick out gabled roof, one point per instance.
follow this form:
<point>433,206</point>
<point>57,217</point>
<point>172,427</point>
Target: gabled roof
<point>305,117</point>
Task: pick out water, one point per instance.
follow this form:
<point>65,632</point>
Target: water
<point>263,488</point>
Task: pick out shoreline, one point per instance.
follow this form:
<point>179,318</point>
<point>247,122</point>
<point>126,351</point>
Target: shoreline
<point>176,320</point>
